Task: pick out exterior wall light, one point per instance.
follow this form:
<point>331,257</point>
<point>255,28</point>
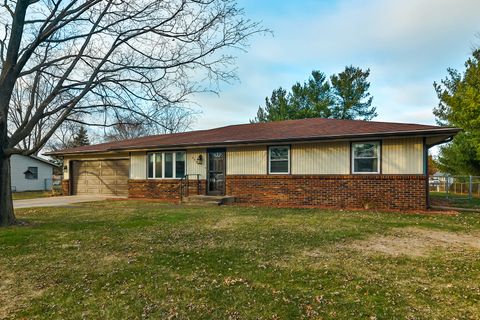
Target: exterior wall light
<point>199,159</point>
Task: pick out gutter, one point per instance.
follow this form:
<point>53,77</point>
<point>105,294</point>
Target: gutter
<point>441,142</point>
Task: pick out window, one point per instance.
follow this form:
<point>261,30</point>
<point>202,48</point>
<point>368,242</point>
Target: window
<point>150,159</point>
<point>179,164</point>
<point>366,157</point>
<point>169,165</point>
<point>166,165</point>
<point>158,165</point>
<point>279,159</point>
<point>31,173</point>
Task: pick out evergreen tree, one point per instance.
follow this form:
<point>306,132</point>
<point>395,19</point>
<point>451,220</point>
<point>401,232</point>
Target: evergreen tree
<point>346,96</point>
<point>459,106</point>
<point>351,97</point>
<point>313,98</point>
<point>277,107</point>
<point>80,138</point>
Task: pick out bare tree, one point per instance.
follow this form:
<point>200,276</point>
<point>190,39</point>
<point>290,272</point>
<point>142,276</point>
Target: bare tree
<point>176,120</point>
<point>62,138</point>
<point>171,119</point>
<point>127,130</point>
<point>91,59</point>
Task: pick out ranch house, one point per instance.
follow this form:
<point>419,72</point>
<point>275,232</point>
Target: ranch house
<point>296,163</point>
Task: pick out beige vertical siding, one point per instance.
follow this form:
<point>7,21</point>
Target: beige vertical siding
<point>247,160</point>
<point>66,173</point>
<point>321,158</point>
<point>402,156</point>
<point>192,166</point>
<point>399,156</point>
<point>138,165</point>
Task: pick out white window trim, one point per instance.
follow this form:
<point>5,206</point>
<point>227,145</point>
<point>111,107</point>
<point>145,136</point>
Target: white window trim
<point>378,157</point>
<point>174,161</point>
<point>163,166</point>
<point>269,159</point>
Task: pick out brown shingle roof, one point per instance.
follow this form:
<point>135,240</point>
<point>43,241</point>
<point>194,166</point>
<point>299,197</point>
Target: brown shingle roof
<point>279,131</point>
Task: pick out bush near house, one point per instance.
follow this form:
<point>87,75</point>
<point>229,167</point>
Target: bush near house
<point>126,259</point>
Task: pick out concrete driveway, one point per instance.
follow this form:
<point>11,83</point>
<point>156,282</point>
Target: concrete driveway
<point>58,201</point>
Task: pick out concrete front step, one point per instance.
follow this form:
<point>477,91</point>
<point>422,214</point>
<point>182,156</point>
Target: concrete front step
<point>208,200</point>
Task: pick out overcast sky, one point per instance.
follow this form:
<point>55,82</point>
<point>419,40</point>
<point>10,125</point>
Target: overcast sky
<point>407,45</point>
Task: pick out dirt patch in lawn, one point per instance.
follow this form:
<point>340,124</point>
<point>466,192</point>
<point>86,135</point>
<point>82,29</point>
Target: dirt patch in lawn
<point>417,242</point>
<point>15,293</point>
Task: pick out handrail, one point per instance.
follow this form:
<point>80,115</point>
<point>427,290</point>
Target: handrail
<point>185,185</point>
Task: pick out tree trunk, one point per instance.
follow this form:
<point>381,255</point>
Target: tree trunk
<point>7,216</point>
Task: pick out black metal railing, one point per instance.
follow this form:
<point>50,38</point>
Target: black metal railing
<point>185,185</point>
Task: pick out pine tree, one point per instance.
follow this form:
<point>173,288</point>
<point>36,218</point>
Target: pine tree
<point>80,138</point>
<point>313,98</point>
<point>346,96</point>
<point>459,106</point>
<point>351,97</point>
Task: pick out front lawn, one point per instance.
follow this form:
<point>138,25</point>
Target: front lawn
<point>134,260</point>
<point>30,195</point>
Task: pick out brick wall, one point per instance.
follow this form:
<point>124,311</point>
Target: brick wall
<point>399,192</point>
<point>66,187</point>
<point>164,189</point>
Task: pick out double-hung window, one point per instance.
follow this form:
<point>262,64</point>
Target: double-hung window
<point>279,160</point>
<point>166,165</point>
<point>366,157</point>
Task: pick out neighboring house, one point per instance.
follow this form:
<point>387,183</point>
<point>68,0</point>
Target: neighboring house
<point>310,162</point>
<point>30,173</point>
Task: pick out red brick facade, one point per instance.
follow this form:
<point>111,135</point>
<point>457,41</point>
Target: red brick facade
<point>164,189</point>
<point>66,187</point>
<point>399,192</point>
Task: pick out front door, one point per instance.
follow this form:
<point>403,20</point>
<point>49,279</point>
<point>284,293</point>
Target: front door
<point>216,172</point>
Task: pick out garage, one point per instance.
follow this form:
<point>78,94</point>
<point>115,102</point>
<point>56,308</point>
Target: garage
<point>101,177</point>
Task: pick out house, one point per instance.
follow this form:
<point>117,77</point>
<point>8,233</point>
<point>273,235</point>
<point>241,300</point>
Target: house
<point>30,173</point>
<point>310,162</point>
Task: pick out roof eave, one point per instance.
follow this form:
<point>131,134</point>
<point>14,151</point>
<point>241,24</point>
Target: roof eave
<point>420,133</point>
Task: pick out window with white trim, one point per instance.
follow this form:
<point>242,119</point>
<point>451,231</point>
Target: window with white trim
<point>166,165</point>
<point>279,159</point>
<point>366,157</point>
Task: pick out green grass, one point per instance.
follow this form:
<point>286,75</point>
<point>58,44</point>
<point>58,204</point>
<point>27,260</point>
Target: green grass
<point>30,195</point>
<point>134,260</point>
<point>454,200</point>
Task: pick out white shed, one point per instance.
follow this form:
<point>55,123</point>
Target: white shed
<point>30,173</point>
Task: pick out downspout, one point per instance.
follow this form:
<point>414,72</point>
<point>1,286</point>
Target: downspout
<point>425,172</point>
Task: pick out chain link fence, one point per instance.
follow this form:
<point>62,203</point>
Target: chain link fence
<point>467,187</point>
<point>455,191</point>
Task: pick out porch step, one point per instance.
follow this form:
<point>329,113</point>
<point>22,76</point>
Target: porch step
<point>208,200</point>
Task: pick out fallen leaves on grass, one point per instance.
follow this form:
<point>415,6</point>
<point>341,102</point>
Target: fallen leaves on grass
<point>16,292</point>
<point>233,281</point>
